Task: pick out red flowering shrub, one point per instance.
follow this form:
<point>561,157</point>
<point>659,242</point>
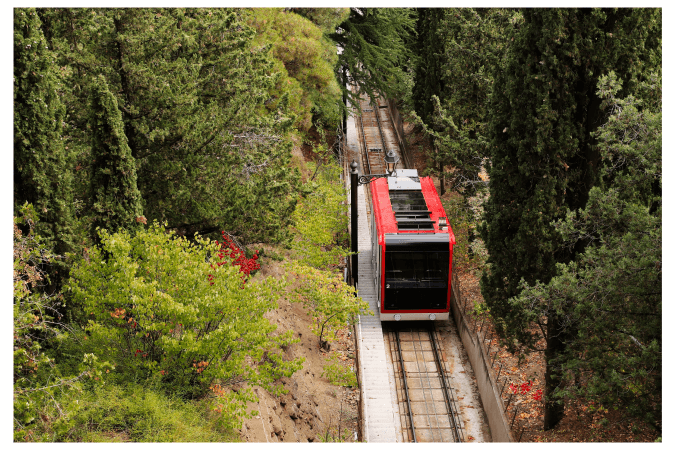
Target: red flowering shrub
<point>229,251</point>
<point>524,388</point>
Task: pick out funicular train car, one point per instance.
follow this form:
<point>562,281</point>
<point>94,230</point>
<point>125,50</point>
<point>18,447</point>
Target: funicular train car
<point>412,248</point>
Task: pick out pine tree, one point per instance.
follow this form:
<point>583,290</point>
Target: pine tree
<point>116,201</point>
<point>304,58</point>
<point>372,51</point>
<point>543,160</point>
<point>42,174</point>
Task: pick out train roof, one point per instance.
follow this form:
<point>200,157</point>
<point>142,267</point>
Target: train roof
<point>407,203</point>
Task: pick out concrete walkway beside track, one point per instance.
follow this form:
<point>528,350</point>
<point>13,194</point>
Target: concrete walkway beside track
<point>378,418</point>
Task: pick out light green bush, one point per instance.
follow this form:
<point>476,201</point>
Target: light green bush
<point>160,306</point>
<point>338,374</point>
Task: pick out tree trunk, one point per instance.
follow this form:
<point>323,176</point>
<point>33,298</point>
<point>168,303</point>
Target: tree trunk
<point>441,178</point>
<point>554,410</point>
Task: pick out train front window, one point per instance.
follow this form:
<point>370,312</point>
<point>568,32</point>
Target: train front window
<point>416,266</point>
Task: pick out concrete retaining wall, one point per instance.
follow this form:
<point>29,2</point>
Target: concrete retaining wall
<point>478,356</point>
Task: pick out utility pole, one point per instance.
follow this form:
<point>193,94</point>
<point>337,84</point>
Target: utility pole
<point>355,224</point>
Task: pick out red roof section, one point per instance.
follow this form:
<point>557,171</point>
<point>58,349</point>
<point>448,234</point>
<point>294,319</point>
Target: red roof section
<point>435,206</point>
<point>386,219</point>
<point>384,214</point>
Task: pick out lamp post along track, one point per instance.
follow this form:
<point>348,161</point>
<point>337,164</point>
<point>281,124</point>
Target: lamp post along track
<point>427,406</point>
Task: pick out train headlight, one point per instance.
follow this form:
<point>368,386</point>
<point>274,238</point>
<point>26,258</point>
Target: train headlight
<point>397,317</point>
<point>432,316</point>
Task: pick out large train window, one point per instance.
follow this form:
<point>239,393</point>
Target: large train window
<point>417,266</point>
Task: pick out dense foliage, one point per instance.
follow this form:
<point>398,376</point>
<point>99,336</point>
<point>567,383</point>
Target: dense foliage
<point>179,115</point>
<point>115,199</point>
<point>321,221</point>
<point>372,52</point>
<point>320,247</point>
<point>43,390</point>
<point>191,87</point>
<point>459,53</point>
<point>186,117</point>
<point>41,159</point>
<point>304,58</point>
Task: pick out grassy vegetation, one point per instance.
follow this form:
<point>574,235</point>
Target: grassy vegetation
<point>136,413</point>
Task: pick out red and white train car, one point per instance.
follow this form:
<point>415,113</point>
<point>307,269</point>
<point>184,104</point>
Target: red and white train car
<point>412,248</point>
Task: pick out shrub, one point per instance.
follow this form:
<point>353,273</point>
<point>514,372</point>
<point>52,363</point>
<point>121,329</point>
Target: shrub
<point>331,302</point>
<point>321,220</point>
<point>136,413</point>
<point>160,306</point>
<point>338,374</point>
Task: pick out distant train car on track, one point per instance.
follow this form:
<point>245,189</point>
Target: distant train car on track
<point>412,248</point>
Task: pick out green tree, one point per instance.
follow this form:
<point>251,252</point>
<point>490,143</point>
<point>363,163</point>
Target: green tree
<point>332,303</point>
<point>327,19</point>
<point>321,221</point>
<point>460,51</point>
<point>42,172</point>
<point>116,201</point>
<point>543,159</point>
<point>611,294</point>
<point>304,58</point>
<point>428,48</point>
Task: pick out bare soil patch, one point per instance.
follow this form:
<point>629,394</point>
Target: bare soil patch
<point>313,410</point>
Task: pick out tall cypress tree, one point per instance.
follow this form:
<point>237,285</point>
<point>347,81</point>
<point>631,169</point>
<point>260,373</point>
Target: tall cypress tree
<point>115,199</point>
<point>543,158</point>
<point>428,48</point>
<point>460,51</point>
<point>42,175</point>
<point>611,293</point>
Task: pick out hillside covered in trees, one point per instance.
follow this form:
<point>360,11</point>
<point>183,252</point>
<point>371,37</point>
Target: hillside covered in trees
<point>158,164</point>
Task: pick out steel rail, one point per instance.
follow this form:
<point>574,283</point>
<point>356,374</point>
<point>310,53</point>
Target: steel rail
<point>447,391</point>
<point>405,384</point>
<point>426,373</point>
<point>376,110</point>
<point>364,142</point>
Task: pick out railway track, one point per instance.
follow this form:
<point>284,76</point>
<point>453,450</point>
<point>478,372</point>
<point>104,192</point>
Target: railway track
<point>426,400</point>
<point>425,397</point>
<point>377,136</point>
